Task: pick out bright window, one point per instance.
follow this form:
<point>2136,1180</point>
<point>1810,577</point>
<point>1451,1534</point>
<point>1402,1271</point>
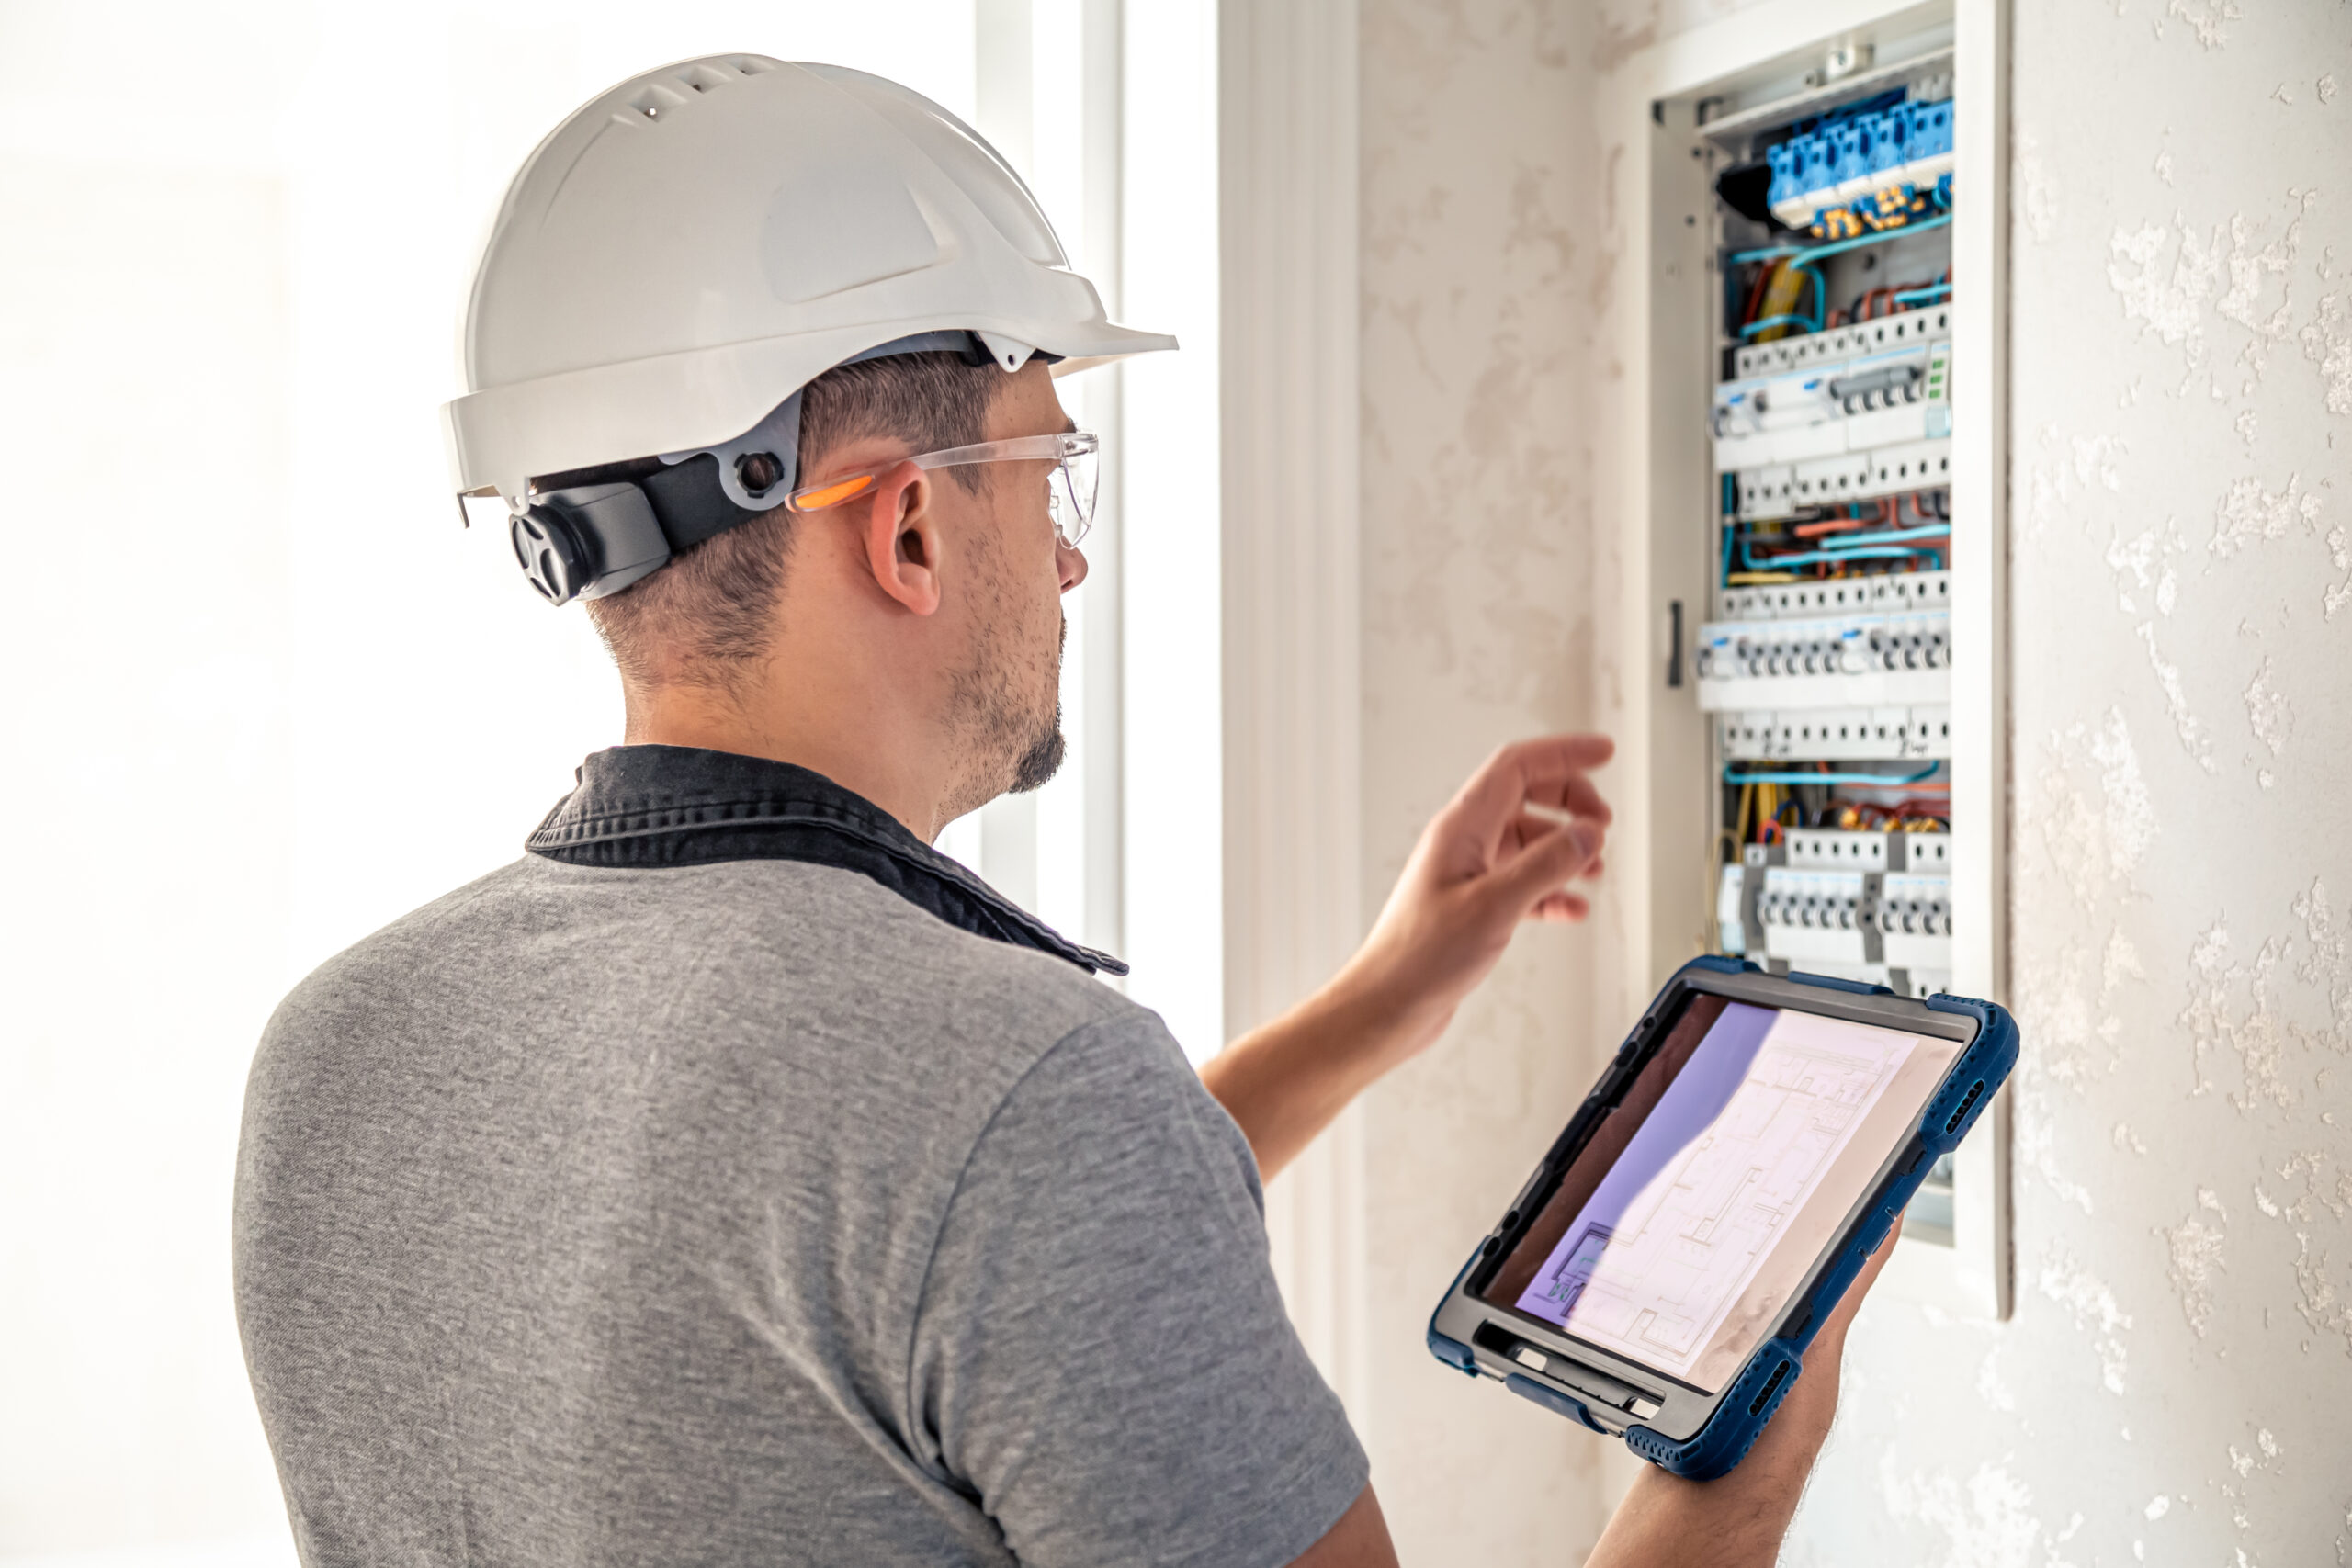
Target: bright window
<point>271,696</point>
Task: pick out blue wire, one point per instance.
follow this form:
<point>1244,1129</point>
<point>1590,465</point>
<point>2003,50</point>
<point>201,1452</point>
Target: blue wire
<point>1935,531</point>
<point>1752,328</point>
<point>1820,294</point>
<point>1933,291</point>
<point>1889,552</point>
<point>1884,779</point>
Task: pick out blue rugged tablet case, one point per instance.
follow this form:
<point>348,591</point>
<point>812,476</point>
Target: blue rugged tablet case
<point>1752,1397</point>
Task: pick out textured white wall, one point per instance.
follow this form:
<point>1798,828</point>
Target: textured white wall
<point>1478,284</point>
<point>2178,1380</point>
<point>2176,1385</point>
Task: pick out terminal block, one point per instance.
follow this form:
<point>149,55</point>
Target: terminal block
<point>1893,157</point>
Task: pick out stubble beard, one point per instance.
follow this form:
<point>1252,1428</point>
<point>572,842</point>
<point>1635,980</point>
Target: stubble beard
<point>1044,759</point>
<point>1041,759</point>
<point>1011,737</point>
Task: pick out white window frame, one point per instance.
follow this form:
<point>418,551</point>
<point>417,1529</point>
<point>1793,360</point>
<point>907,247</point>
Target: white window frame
<point>1089,100</point>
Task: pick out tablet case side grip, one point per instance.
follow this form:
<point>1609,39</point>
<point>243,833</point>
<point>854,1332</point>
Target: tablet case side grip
<point>1445,1348</point>
<point>1740,1419</point>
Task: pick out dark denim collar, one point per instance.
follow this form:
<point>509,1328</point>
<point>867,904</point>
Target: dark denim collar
<point>660,805</point>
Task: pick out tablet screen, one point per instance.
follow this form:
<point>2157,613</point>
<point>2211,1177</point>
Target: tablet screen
<point>1705,1197</point>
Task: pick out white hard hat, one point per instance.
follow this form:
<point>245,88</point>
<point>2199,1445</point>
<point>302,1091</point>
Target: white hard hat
<point>689,249</point>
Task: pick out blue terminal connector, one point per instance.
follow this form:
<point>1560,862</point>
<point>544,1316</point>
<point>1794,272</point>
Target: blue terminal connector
<point>1902,151</point>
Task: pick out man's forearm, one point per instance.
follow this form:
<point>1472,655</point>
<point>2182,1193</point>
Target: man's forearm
<point>1284,1081</point>
<point>1737,1520</point>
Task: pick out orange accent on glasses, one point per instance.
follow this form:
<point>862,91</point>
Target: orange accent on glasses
<point>832,494</point>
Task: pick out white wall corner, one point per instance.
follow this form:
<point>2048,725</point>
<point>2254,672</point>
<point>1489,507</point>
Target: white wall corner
<point>1288,204</point>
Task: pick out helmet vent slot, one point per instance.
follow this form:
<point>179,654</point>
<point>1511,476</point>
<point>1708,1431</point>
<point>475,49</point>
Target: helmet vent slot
<point>655,101</point>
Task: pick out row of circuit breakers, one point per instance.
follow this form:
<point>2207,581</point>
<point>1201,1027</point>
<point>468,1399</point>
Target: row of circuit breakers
<point>1847,668</point>
<point>1854,669</point>
<point>1837,901</point>
<point>1837,670</point>
<point>1852,413</point>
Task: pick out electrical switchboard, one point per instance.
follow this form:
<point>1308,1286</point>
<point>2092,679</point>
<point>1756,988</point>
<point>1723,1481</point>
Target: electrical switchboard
<point>1824,656</point>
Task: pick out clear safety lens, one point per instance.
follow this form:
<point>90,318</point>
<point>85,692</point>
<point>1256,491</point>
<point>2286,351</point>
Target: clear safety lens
<point>1072,488</point>
<point>1069,487</point>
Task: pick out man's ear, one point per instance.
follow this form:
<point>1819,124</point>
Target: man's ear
<point>902,538</point>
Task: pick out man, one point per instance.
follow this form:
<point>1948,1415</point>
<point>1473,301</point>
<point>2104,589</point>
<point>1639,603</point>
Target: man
<point>734,1179</point>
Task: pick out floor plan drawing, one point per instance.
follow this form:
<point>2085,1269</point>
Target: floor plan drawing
<point>1654,1274</point>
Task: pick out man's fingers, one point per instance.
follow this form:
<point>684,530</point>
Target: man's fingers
<point>1576,793</point>
<point>1873,1266</point>
<point>1536,823</point>
<point>1537,770</point>
<point>1551,860</point>
<point>1564,906</point>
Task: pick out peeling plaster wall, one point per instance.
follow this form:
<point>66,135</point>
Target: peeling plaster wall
<point>2176,1385</point>
<point>1479,283</point>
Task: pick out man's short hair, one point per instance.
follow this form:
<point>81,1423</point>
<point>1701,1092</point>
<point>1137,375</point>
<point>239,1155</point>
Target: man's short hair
<point>708,612</point>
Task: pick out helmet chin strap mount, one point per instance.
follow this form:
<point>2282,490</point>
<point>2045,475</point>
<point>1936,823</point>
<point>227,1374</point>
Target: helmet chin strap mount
<point>589,540</point>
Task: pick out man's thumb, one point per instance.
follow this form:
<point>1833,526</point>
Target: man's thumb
<point>1548,862</point>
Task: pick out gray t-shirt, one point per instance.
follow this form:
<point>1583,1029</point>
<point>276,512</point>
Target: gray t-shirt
<point>746,1213</point>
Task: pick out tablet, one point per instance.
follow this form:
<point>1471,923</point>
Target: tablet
<point>1752,1142</point>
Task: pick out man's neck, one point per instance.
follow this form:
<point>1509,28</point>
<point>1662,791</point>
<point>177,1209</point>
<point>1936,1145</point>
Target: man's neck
<point>898,773</point>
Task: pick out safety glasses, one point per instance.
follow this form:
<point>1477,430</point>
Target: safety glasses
<point>1070,488</point>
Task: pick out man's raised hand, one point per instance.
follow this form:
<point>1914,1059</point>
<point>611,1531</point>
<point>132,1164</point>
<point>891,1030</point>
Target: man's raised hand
<point>1511,846</point>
